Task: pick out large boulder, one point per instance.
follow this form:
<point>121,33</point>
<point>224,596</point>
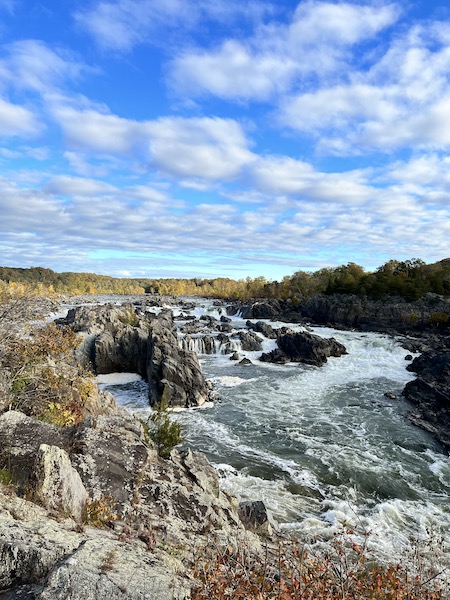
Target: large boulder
<point>250,341</point>
<point>20,440</point>
<point>305,348</point>
<point>262,327</point>
<point>261,309</point>
<point>58,485</point>
<point>174,375</point>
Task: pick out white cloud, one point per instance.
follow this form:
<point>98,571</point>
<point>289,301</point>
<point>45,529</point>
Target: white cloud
<point>315,43</point>
<point>233,71</point>
<point>208,148</point>
<point>99,132</point>
<point>16,120</point>
<point>77,186</point>
<point>342,23</point>
<point>122,24</point>
<point>403,100</point>
<point>32,64</point>
<point>284,175</point>
<point>199,148</point>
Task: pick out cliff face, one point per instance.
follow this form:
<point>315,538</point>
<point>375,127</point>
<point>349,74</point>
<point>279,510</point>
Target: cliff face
<point>151,515</point>
<point>430,392</point>
<point>393,315</point>
<point>390,315</point>
<point>123,338</point>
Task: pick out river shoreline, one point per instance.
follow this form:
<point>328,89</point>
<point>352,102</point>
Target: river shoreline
<point>163,506</point>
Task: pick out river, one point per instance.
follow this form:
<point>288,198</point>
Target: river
<point>323,447</point>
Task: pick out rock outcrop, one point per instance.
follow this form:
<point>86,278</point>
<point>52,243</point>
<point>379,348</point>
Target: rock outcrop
<point>125,339</point>
<point>305,348</point>
<point>390,315</point>
<point>430,393</point>
<point>149,513</point>
<point>250,341</point>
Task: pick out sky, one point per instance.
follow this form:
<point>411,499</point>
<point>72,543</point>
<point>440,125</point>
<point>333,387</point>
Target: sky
<point>223,138</point>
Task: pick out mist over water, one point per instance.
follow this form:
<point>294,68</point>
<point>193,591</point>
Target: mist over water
<point>321,446</point>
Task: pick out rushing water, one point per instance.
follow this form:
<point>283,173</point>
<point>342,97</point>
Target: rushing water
<point>321,446</point>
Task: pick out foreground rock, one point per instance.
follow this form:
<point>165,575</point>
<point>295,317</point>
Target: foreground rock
<point>305,348</point>
<point>126,339</point>
<point>151,515</point>
<point>430,392</point>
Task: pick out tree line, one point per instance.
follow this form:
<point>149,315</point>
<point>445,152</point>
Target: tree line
<point>410,279</point>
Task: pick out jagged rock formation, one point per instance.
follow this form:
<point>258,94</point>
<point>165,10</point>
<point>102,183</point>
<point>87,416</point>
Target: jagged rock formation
<point>250,341</point>
<point>152,509</point>
<point>125,339</point>
<point>261,327</point>
<point>304,347</point>
<point>390,314</point>
<point>430,392</point>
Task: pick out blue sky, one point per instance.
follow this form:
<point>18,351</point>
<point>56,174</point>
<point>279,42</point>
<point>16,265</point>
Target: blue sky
<point>209,138</point>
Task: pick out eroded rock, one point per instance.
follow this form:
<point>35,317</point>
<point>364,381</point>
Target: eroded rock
<point>305,348</point>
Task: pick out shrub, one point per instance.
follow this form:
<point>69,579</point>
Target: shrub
<point>439,319</point>
<point>100,512</point>
<point>290,572</point>
<point>5,477</point>
<point>163,432</point>
<point>43,377</point>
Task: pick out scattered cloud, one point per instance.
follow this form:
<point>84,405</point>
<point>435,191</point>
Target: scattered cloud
<point>401,101</point>
<point>76,186</point>
<point>17,120</point>
<point>240,137</point>
<point>32,64</point>
<point>203,148</point>
<point>208,148</point>
<point>119,25</point>
<point>315,43</point>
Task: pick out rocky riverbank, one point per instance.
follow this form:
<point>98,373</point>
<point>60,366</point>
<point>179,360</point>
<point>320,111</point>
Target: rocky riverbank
<point>93,512</point>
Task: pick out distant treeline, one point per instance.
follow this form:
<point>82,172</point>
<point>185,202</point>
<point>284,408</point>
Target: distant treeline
<point>410,279</point>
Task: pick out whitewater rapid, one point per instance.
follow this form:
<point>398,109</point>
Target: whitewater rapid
<point>323,447</point>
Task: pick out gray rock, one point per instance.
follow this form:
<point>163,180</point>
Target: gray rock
<point>250,341</point>
<point>30,543</point>
<point>256,517</point>
<point>309,348</point>
<point>261,327</point>
<point>105,569</point>
<point>245,362</point>
<point>118,338</point>
<point>58,485</point>
<point>20,439</point>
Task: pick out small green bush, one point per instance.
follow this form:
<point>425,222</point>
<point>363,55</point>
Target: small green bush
<point>5,477</point>
<point>163,432</point>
